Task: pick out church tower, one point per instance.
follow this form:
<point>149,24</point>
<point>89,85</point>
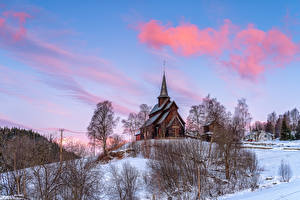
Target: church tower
<point>163,92</point>
<point>164,120</point>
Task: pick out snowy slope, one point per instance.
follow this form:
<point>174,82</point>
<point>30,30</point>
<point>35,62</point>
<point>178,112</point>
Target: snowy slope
<point>269,160</point>
<point>140,163</point>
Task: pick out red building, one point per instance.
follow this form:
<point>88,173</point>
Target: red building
<point>164,119</point>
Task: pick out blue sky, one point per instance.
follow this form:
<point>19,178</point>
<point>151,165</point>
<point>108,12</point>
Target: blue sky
<point>59,58</point>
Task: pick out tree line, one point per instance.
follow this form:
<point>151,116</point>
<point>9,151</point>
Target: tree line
<point>284,126</point>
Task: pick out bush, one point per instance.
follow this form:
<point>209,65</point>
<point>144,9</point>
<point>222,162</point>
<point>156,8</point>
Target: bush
<point>124,183</point>
<point>182,168</point>
<point>285,171</point>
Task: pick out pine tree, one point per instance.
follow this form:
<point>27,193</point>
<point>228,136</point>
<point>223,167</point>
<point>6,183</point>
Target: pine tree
<point>297,135</point>
<point>285,130</point>
<point>269,127</point>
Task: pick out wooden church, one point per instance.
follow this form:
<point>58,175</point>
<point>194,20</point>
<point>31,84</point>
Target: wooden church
<point>164,119</point>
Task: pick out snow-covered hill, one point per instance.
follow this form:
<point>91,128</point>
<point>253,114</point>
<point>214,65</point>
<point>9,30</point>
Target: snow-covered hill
<point>270,186</point>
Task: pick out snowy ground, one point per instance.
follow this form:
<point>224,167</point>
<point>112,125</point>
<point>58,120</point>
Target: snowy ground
<point>269,154</point>
<point>269,159</point>
<point>276,144</point>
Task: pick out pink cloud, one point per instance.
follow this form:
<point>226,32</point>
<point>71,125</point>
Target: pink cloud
<point>21,16</point>
<point>2,21</point>
<point>185,39</point>
<point>249,52</point>
<point>259,50</point>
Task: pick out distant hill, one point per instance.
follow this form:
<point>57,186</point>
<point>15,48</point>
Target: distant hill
<point>26,148</point>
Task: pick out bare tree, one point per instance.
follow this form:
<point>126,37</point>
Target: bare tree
<point>258,126</point>
<point>17,154</point>
<point>134,121</point>
<point>143,114</point>
<point>230,133</point>
<point>285,171</point>
<point>196,119</point>
<point>102,124</point>
<point>177,171</point>
<point>242,117</point>
<point>278,126</point>
<point>131,125</point>
<point>81,180</point>
<point>216,116</point>
<point>46,181</point>
<point>295,117</point>
<point>272,118</point>
<point>124,183</point>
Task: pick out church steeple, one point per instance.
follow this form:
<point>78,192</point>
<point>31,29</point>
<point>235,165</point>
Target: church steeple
<point>163,91</point>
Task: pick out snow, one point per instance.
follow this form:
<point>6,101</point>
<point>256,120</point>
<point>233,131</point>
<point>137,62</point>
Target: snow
<point>269,159</point>
<point>10,198</point>
<point>139,163</point>
<point>269,155</point>
<point>271,188</point>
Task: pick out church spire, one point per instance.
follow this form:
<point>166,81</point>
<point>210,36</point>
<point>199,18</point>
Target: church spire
<point>164,90</point>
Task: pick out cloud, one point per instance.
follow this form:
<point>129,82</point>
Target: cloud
<point>259,50</point>
<point>21,17</point>
<point>2,21</point>
<point>185,39</point>
<point>249,52</point>
<point>61,65</point>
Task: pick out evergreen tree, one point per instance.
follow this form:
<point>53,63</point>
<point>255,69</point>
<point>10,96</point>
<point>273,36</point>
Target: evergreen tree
<point>297,135</point>
<point>269,127</point>
<point>278,127</point>
<point>285,130</point>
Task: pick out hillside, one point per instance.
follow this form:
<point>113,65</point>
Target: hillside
<point>21,148</point>
<point>270,185</point>
<point>138,169</point>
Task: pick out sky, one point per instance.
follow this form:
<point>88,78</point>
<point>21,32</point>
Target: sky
<point>58,59</point>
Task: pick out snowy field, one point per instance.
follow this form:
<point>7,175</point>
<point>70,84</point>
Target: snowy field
<point>276,144</point>
<point>269,159</point>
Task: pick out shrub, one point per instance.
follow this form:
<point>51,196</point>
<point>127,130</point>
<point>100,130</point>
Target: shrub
<point>182,168</point>
<point>124,183</point>
<point>285,171</point>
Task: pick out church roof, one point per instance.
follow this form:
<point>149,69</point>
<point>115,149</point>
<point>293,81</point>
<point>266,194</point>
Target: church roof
<point>157,108</point>
<point>172,120</point>
<point>151,120</point>
<point>164,111</point>
<point>163,117</point>
<point>160,113</point>
<point>163,90</point>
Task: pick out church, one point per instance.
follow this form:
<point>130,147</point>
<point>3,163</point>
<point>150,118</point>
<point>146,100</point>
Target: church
<point>164,119</point>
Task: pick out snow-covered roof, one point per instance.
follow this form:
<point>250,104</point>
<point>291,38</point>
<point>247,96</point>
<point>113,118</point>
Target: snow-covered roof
<point>169,105</point>
<point>152,119</point>
<point>157,108</point>
<point>137,133</point>
<point>163,117</point>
